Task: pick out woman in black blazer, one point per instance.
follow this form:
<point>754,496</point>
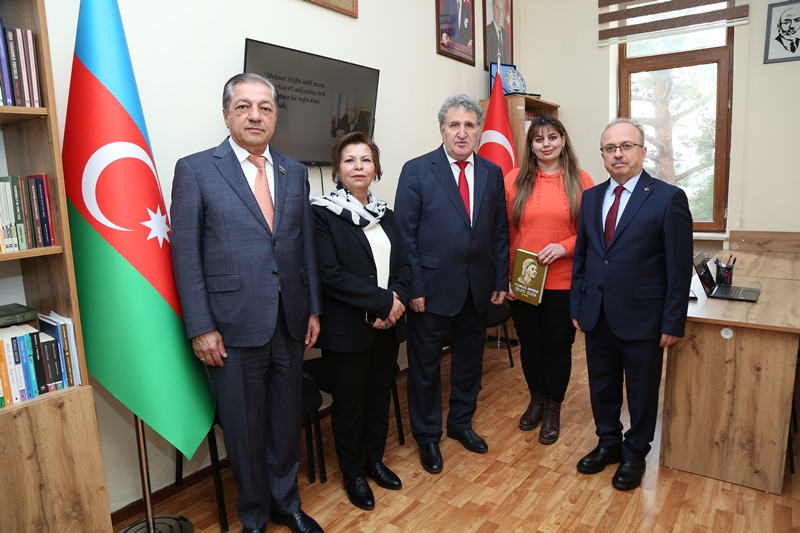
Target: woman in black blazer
<point>365,279</point>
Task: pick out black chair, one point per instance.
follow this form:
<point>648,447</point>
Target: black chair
<point>498,316</point>
<point>315,369</point>
<point>216,473</point>
<point>312,400</point>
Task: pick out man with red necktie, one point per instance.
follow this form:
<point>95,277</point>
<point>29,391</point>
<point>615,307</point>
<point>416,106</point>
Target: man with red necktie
<point>451,214</point>
<point>631,275</point>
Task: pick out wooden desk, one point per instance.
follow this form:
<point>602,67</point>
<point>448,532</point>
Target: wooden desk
<point>762,265</point>
<point>729,382</point>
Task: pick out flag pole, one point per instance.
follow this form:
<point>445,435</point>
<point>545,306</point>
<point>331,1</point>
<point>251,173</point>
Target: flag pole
<point>153,524</point>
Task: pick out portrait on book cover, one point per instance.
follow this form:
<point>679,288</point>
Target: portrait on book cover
<point>783,32</point>
<point>529,269</point>
<point>455,32</point>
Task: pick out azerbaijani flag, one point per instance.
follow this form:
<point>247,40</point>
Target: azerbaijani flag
<point>497,143</point>
<point>133,331</point>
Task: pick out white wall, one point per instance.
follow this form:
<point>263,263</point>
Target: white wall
<point>183,51</point>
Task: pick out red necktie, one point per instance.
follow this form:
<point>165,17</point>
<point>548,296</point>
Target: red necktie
<point>463,186</point>
<point>262,193</point>
<point>611,217</point>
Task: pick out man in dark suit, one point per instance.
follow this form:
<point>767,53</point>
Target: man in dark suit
<point>352,120</point>
<point>455,23</point>
<point>451,213</point>
<point>246,271</point>
<point>630,293</point>
<point>497,36</point>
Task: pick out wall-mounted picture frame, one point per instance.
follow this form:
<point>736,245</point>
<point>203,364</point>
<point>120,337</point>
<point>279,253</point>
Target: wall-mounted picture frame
<point>783,32</point>
<point>455,31</point>
<point>497,32</point>
<point>346,7</point>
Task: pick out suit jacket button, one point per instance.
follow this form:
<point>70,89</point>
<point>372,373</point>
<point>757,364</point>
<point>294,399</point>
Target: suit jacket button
<point>274,272</point>
<point>274,242</point>
<point>605,262</point>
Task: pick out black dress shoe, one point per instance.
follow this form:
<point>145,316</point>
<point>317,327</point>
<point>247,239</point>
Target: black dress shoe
<point>629,475</point>
<point>359,493</point>
<point>599,458</point>
<point>299,522</point>
<point>383,476</point>
<point>431,457</point>
<point>262,529</point>
<point>471,440</point>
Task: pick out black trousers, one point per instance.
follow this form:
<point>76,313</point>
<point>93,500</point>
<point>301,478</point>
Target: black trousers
<point>610,362</point>
<point>427,333</point>
<point>361,384</point>
<point>546,335</point>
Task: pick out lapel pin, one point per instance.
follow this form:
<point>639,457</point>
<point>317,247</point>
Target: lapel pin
<point>646,189</point>
<point>281,169</point>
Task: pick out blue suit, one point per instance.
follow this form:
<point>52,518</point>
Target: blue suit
<point>625,296</point>
<point>228,265</point>
<point>456,264</point>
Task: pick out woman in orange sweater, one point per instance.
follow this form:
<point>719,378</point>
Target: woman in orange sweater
<point>543,202</point>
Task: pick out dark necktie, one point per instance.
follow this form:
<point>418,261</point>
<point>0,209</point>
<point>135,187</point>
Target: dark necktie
<point>463,186</point>
<point>611,217</point>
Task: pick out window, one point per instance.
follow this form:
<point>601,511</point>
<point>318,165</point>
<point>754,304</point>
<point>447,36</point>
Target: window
<point>679,88</point>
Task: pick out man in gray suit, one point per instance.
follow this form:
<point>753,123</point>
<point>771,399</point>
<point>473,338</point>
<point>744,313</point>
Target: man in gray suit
<point>246,271</point>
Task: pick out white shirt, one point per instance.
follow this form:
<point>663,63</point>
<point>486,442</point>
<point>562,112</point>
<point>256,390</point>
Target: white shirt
<point>608,199</point>
<point>250,170</point>
<point>381,253</point>
<point>470,172</point>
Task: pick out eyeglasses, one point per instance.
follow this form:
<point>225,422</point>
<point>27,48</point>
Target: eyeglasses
<point>611,149</point>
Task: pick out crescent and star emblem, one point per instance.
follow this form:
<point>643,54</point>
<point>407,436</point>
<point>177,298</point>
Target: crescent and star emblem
<point>95,166</point>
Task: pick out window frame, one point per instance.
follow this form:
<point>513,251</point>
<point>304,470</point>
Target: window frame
<point>722,56</point>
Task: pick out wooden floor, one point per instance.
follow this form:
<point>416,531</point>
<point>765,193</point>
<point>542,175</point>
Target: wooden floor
<point>520,485</point>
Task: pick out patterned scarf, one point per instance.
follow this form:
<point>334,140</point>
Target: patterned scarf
<point>343,204</point>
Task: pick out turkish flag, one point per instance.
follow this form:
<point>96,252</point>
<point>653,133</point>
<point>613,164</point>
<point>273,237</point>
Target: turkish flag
<point>497,144</point>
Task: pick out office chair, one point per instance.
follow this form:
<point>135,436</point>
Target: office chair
<point>311,402</point>
<point>498,316</point>
<point>315,369</point>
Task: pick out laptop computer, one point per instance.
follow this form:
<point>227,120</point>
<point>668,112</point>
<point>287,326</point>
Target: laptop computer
<point>722,292</point>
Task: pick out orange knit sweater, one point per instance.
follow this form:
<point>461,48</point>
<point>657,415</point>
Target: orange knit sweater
<point>545,219</point>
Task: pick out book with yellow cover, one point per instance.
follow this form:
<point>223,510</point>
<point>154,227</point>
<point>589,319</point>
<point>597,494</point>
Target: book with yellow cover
<point>527,278</point>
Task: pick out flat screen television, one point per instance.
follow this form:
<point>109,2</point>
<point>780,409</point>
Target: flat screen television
<point>319,98</point>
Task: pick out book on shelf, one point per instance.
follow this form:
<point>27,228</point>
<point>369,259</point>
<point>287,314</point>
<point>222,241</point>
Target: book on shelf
<point>4,377</point>
<point>13,65</point>
<point>33,67</point>
<point>11,366</point>
<point>9,226</point>
<point>25,338</point>
<point>68,329</point>
<point>53,329</point>
<point>527,277</point>
<point>26,211</point>
<point>21,369</point>
<point>36,219</point>
<point>5,73</point>
<point>44,208</point>
<point>22,61</point>
<point>16,313</point>
<point>38,359</point>
<point>19,220</point>
<point>52,366</point>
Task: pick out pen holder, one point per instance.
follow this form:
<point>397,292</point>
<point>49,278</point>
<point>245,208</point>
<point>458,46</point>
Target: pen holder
<point>724,275</point>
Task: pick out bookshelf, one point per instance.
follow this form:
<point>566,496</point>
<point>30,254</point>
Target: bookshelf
<point>521,106</point>
<point>50,448</point>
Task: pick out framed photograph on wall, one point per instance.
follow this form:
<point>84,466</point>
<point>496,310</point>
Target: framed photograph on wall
<point>497,32</point>
<point>347,7</point>
<point>783,32</point>
<point>455,33</point>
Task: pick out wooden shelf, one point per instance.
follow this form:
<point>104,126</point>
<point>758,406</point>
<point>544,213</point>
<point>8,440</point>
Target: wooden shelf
<point>50,450</point>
